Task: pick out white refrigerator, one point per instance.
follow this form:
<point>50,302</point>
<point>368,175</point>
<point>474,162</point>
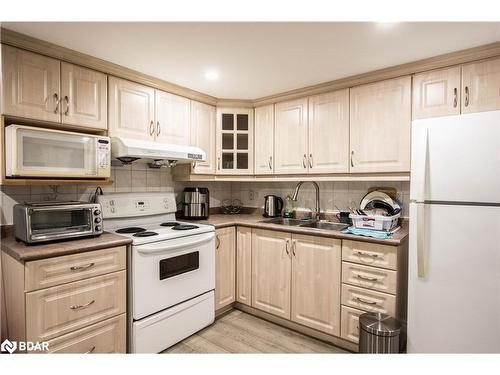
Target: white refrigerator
<point>454,248</point>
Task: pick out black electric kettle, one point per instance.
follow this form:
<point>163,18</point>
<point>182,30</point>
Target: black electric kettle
<point>272,206</point>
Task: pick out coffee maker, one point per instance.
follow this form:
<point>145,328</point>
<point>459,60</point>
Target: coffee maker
<point>195,203</point>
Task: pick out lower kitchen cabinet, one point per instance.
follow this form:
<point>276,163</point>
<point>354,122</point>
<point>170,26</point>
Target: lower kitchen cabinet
<point>244,265</point>
<point>316,282</point>
<point>77,302</point>
<point>225,267</point>
<point>271,272</point>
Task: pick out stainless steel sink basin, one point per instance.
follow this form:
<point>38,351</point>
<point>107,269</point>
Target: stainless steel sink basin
<point>284,221</point>
<point>325,225</point>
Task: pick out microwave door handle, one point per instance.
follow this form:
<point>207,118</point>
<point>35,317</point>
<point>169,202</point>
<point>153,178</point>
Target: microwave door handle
<point>150,249</point>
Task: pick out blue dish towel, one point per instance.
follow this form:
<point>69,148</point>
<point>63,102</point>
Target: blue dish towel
<point>367,233</point>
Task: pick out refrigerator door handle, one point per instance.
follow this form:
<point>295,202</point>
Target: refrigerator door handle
<point>423,179</point>
<point>421,264</point>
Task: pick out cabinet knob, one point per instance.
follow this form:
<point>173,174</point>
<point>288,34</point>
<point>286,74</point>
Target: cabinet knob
<point>352,161</point>
<point>466,96</point>
<point>455,97</point>
<point>66,99</point>
<point>151,128</point>
<point>158,128</point>
<point>56,98</point>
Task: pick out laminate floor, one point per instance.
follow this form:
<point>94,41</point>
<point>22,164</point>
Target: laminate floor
<point>238,332</point>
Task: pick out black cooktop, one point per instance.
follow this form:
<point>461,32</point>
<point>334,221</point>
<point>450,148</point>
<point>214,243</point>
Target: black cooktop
<point>130,230</point>
<point>184,227</point>
<point>170,224</point>
<point>145,234</point>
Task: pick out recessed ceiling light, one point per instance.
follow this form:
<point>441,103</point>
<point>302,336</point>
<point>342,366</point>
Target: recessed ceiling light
<point>212,75</point>
<point>386,25</point>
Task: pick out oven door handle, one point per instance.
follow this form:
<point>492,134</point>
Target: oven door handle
<point>156,248</point>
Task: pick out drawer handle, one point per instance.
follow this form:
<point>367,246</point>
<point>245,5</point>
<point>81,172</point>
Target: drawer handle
<point>365,301</point>
<point>78,307</point>
<point>367,254</point>
<point>79,268</point>
<point>90,350</point>
<point>367,278</point>
<point>218,242</point>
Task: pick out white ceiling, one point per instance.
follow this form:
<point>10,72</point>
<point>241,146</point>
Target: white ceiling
<point>259,59</point>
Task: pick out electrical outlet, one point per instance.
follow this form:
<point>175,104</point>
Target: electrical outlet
<point>251,195</point>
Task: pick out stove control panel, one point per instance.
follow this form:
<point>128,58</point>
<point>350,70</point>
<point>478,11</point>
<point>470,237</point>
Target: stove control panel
<point>115,205</point>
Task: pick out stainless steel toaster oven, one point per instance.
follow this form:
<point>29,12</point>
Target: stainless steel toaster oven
<point>49,221</point>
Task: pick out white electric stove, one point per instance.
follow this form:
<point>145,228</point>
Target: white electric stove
<point>171,269</point>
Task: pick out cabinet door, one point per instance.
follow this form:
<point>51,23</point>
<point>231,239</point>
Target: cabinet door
<point>84,97</point>
<point>316,281</point>
<point>203,135</point>
<point>264,139</point>
<point>290,137</point>
<point>329,133</point>
<point>172,118</point>
<point>244,265</point>
<point>481,86</point>
<point>225,267</point>
<point>31,85</point>
<point>271,272</point>
<point>436,93</point>
<point>380,116</point>
<point>234,141</point>
<point>131,110</point>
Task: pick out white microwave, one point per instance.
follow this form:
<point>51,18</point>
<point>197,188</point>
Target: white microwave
<point>39,152</point>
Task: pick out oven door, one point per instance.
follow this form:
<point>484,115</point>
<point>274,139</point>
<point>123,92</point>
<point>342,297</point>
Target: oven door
<point>169,272</point>
<point>53,223</point>
<point>32,152</point>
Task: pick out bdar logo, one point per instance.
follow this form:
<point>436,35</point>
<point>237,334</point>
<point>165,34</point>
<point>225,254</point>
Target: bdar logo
<point>8,346</point>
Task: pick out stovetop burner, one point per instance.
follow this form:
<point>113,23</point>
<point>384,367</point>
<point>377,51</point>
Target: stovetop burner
<point>184,227</point>
<point>170,224</point>
<point>145,234</point>
<point>131,230</point>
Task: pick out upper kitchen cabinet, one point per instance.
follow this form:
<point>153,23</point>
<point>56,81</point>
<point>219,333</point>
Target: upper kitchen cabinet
<point>328,140</point>
<point>290,137</point>
<point>436,93</point>
<point>234,141</point>
<point>203,135</point>
<point>83,97</point>
<point>481,86</point>
<point>31,85</point>
<point>380,116</point>
<point>172,118</point>
<point>131,110</point>
<point>264,139</point>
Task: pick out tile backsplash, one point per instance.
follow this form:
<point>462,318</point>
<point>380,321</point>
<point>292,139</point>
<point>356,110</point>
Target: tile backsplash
<point>138,177</point>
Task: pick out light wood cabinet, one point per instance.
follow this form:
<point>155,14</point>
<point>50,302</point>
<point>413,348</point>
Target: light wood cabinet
<point>328,133</point>
<point>83,97</point>
<point>264,139</point>
<point>234,141</point>
<point>370,254</point>
<point>290,137</point>
<point>31,85</point>
<point>436,93</point>
<point>350,323</point>
<point>380,116</point>
<point>203,135</point>
<point>244,265</point>
<point>481,86</point>
<point>172,118</point>
<point>131,110</point>
<point>225,267</point>
<point>75,302</point>
<point>316,282</point>
<point>271,272</point>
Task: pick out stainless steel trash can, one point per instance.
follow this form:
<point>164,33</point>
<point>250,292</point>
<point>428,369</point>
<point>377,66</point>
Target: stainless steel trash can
<point>379,333</point>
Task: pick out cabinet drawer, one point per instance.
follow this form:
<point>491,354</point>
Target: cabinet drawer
<point>370,254</point>
<point>368,300</point>
<point>49,272</point>
<point>369,277</point>
<point>349,326</point>
<point>61,309</point>
<point>104,337</point>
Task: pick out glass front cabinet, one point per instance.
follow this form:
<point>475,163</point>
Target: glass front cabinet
<point>234,141</point>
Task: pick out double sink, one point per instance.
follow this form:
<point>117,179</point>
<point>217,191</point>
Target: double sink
<point>313,224</point>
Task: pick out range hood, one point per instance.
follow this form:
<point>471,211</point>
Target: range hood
<point>126,149</point>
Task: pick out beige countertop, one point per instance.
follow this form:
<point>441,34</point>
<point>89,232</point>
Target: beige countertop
<point>24,253</point>
<point>255,221</point>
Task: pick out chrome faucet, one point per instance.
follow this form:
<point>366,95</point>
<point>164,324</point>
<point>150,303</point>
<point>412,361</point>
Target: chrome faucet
<point>296,193</point>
